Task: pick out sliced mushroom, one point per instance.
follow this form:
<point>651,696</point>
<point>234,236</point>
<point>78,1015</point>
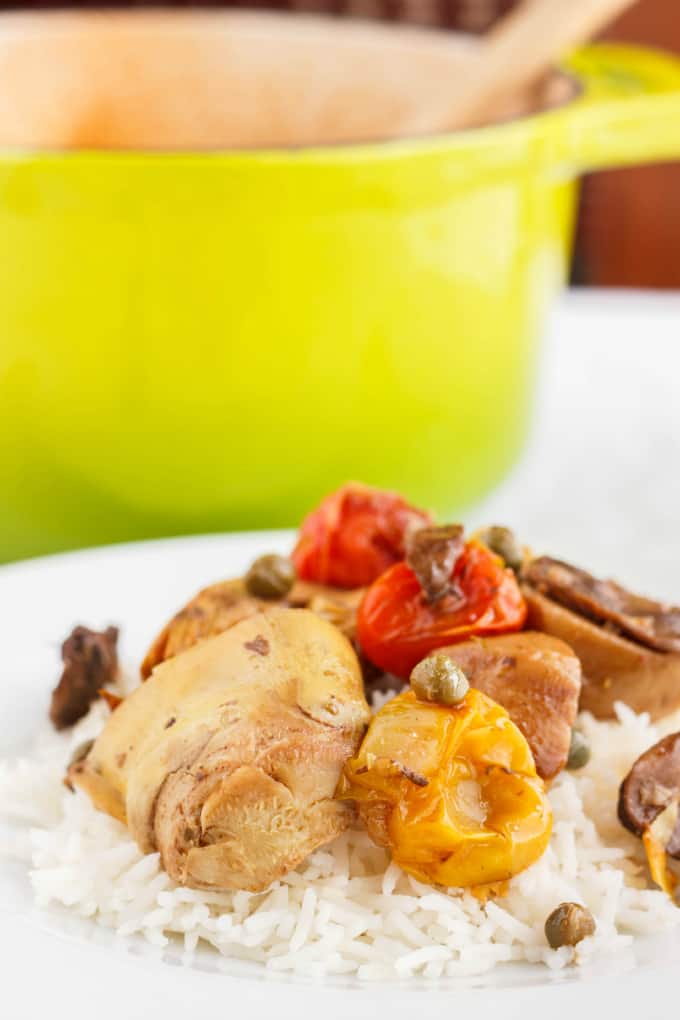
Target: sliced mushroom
<point>220,606</point>
<point>655,841</point>
<point>653,624</point>
<point>649,802</point>
<point>536,679</point>
<point>90,662</point>
<point>614,667</point>
<point>650,787</point>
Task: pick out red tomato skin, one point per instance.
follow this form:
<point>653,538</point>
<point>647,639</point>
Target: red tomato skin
<point>397,627</point>
<point>354,535</point>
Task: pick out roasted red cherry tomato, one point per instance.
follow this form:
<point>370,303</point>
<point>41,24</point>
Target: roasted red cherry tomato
<point>354,535</point>
<point>397,626</point>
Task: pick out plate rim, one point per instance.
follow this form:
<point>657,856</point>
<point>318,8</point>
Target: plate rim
<point>60,954</point>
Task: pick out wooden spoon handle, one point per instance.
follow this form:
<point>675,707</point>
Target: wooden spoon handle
<point>517,52</point>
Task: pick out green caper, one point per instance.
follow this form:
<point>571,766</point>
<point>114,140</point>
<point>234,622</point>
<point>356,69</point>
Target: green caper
<point>439,679</point>
<point>270,577</point>
<point>579,751</point>
<point>568,925</point>
<point>504,543</point>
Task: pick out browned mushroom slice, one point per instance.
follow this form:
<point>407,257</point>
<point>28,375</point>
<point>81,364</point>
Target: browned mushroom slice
<point>614,667</point>
<point>652,785</point>
<point>653,624</point>
<point>536,679</point>
<point>220,606</point>
<point>649,799</point>
<point>90,662</point>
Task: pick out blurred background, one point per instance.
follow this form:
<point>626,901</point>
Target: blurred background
<point>198,339</point>
<point>638,249</point>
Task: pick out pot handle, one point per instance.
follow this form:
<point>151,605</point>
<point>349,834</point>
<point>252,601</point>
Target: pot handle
<point>629,109</point>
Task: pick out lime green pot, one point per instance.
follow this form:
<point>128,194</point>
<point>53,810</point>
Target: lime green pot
<point>198,341</point>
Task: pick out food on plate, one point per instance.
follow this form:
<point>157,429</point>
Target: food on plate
<point>227,758</point>
<point>536,679</point>
<point>431,553</point>
<point>653,624</point>
<point>111,699</point>
<point>354,535</point>
<point>311,828</point>
<point>90,661</point>
<point>569,924</point>
<point>439,679</point>
<point>504,543</point>
<point>579,751</point>
<point>337,605</point>
<point>649,803</point>
<point>452,791</point>
<point>219,606</point>
<point>629,646</point>
<point>212,611</point>
<point>270,577</point>
<point>397,625</point>
<point>80,752</point>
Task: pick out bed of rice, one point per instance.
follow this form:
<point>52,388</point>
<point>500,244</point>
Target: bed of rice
<point>347,909</point>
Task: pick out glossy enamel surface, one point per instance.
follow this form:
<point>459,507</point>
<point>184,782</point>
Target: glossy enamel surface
<point>212,340</point>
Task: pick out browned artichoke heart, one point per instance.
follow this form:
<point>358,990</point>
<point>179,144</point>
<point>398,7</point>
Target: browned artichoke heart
<point>222,605</point>
<point>227,759</point>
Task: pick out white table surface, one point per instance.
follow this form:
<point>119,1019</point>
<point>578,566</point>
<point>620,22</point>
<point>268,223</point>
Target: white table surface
<point>600,481</point>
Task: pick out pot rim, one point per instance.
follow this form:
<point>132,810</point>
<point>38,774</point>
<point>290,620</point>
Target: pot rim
<point>353,152</point>
<point>625,110</point>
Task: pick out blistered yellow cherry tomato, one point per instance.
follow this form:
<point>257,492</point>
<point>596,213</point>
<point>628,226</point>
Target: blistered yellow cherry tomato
<point>451,791</point>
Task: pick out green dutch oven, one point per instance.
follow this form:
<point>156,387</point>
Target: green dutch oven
<point>212,339</point>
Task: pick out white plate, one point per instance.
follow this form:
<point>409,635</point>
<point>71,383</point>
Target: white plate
<point>71,968</point>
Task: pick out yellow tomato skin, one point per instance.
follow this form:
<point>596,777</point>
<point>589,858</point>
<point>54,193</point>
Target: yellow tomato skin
<point>451,791</point>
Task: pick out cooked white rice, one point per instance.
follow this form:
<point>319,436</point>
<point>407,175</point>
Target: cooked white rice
<point>347,909</point>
